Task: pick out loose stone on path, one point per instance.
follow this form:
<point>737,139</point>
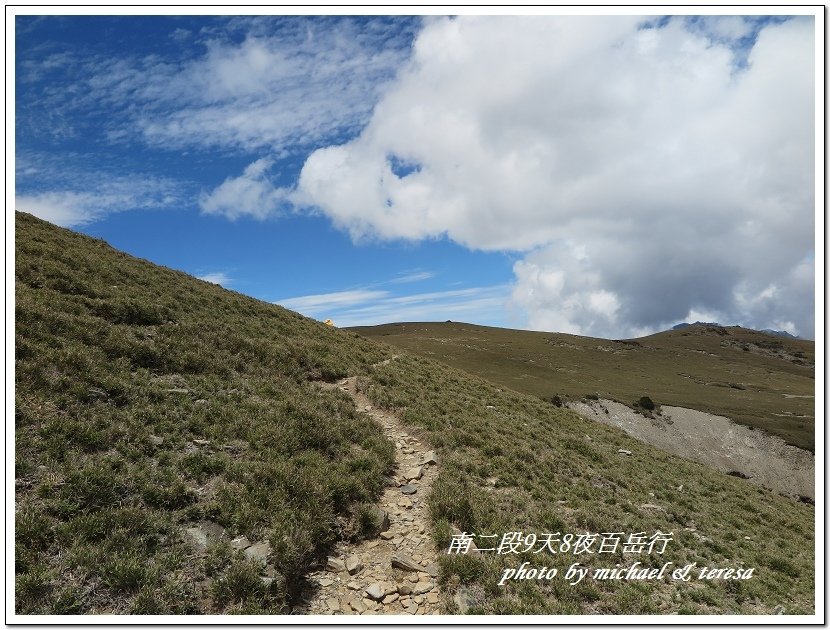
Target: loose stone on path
<point>353,564</point>
<point>414,473</point>
<point>396,572</point>
<point>400,561</point>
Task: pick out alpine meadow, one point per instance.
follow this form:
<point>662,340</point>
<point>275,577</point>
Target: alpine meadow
<point>151,406</point>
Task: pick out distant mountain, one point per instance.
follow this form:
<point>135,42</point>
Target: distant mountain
<point>698,367</point>
<point>779,333</point>
<point>687,325</point>
<point>768,331</point>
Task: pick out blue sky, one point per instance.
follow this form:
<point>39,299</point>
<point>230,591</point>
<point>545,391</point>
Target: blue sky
<point>540,173</point>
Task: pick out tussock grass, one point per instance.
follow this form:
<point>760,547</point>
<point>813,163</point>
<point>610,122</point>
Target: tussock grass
<point>120,366</point>
<point>525,465</point>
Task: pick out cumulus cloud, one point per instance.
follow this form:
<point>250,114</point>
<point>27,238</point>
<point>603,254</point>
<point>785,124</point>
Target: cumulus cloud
<point>644,173</point>
<point>250,194</point>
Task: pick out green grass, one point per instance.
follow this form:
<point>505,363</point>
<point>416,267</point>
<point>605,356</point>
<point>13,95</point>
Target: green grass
<point>734,372</point>
<point>120,366</point>
<point>557,472</point>
<point>147,401</point>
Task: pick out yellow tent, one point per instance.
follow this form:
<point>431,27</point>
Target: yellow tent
<point>328,322</point>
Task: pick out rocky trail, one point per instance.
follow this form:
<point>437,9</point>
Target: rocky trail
<point>397,572</point>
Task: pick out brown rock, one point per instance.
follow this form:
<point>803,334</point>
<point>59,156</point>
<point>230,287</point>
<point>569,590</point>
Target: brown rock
<point>335,564</point>
<point>422,587</point>
<point>430,458</point>
<point>400,561</point>
<point>390,598</point>
<point>353,564</point>
<point>433,569</point>
<point>414,473</point>
<point>358,606</point>
<point>404,589</point>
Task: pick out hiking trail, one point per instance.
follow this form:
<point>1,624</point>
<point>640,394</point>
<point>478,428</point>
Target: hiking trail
<point>395,573</point>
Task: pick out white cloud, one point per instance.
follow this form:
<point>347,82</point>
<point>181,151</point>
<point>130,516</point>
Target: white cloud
<point>414,276</point>
<point>366,307</point>
<point>72,208</point>
<point>217,277</point>
<point>726,27</point>
<point>180,35</point>
<point>320,302</point>
<point>287,84</point>
<point>66,208</point>
<point>251,194</point>
<point>646,171</point>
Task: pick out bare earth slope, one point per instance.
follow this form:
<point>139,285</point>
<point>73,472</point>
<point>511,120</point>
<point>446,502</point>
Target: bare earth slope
<point>715,441</point>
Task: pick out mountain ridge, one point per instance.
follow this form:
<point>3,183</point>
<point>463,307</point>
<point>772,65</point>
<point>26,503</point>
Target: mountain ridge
<point>768,331</point>
<point>735,372</point>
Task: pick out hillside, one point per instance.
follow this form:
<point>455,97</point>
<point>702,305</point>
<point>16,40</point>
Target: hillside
<point>153,409</point>
<point>148,402</point>
<point>753,378</point>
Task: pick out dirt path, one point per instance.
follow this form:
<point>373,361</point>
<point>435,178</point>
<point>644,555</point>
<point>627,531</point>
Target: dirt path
<point>715,441</point>
<point>397,572</point>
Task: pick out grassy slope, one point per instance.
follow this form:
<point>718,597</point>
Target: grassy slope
<point>701,368</point>
<point>112,352</point>
<point>557,472</point>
